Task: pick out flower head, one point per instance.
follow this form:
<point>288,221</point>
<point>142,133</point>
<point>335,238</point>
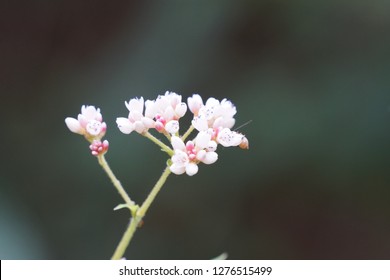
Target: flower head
<point>89,123</point>
<point>136,120</point>
<point>187,156</point>
<point>213,114</point>
<point>167,109</point>
<point>229,138</point>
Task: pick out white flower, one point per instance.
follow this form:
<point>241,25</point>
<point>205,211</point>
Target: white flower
<point>136,120</point>
<point>89,123</point>
<point>214,114</point>
<point>195,103</point>
<point>228,138</point>
<point>167,109</point>
<point>187,156</point>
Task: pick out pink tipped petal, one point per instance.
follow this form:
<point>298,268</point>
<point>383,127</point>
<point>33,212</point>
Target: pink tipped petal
<point>177,143</point>
<point>74,125</point>
<point>210,158</point>
<point>124,125</point>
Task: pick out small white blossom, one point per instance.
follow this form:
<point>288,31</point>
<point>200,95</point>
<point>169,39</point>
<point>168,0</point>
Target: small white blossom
<point>164,109</point>
<point>136,120</point>
<point>89,123</point>
<point>195,103</point>
<point>187,156</point>
<point>213,114</point>
<point>228,138</point>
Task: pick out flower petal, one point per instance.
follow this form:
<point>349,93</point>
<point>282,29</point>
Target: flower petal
<point>177,143</point>
<point>139,127</point>
<point>124,125</point>
<point>210,158</point>
<point>177,169</point>
<point>181,109</point>
<point>195,103</point>
<point>74,125</point>
<point>191,169</point>
<point>201,155</point>
<point>200,123</point>
<point>180,158</point>
<point>228,138</point>
<point>148,122</point>
<point>94,127</point>
<point>135,104</point>
<point>172,127</point>
<point>150,111</point>
<point>202,139</point>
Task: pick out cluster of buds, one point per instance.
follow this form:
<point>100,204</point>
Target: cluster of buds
<point>213,121</point>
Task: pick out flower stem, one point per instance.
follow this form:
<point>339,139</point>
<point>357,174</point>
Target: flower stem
<point>164,147</point>
<point>152,195</point>
<point>129,233</point>
<point>188,132</point>
<point>117,184</point>
<point>127,236</point>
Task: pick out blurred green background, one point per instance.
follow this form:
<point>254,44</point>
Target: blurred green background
<point>313,76</point>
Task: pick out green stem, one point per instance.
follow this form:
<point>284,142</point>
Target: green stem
<point>134,222</point>
<point>127,236</point>
<point>117,184</point>
<point>188,132</point>
<point>152,195</point>
<point>164,147</point>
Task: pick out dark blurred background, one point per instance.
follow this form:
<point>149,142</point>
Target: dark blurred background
<point>313,76</point>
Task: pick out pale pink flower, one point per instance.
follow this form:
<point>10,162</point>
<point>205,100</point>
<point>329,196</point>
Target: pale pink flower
<point>229,138</point>
<point>136,120</point>
<point>167,109</point>
<point>214,114</point>
<point>187,156</point>
<point>89,123</point>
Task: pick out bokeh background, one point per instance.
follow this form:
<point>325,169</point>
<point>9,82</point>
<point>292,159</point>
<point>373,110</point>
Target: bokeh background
<point>312,76</point>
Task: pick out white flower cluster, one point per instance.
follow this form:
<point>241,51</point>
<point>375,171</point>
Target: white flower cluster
<point>162,114</point>
<point>213,121</point>
<point>89,123</point>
